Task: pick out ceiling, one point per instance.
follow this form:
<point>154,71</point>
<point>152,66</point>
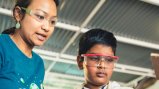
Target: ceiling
<point>135,24</point>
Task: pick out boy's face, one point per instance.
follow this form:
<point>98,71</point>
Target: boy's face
<point>97,76</point>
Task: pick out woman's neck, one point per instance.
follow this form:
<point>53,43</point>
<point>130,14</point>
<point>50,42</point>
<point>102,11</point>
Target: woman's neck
<point>21,44</point>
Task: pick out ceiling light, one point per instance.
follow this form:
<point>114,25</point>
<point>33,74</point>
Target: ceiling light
<point>154,2</point>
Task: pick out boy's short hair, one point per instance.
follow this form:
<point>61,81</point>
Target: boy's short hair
<point>96,36</point>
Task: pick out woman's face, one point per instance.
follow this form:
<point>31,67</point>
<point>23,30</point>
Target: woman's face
<point>98,76</point>
<point>35,32</point>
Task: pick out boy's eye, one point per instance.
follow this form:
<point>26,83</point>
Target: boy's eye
<point>109,59</point>
<point>94,58</point>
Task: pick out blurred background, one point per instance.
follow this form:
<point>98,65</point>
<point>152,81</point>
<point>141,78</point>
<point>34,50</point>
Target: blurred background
<point>135,24</point>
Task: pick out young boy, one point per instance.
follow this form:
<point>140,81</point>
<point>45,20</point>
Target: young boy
<point>97,58</point>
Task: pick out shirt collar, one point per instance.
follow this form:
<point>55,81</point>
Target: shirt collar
<point>102,87</point>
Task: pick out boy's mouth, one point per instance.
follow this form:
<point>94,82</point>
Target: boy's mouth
<point>101,74</point>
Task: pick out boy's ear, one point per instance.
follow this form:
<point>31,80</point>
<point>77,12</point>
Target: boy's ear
<point>80,62</point>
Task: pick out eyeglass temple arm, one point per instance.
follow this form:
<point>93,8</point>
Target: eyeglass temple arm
<point>27,10</point>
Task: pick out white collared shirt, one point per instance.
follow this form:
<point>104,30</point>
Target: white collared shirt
<point>103,87</point>
<point>111,85</point>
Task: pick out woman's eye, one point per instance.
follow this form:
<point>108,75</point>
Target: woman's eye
<point>40,17</point>
<point>53,22</point>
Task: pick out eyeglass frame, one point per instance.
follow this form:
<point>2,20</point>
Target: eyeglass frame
<point>29,12</point>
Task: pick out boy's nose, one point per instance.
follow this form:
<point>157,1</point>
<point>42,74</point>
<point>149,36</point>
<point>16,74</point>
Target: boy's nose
<point>101,63</point>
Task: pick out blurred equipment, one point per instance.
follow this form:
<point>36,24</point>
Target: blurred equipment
<point>145,83</point>
<point>155,63</point>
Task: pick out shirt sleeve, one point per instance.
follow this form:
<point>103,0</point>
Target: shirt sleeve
<point>0,59</point>
<point>0,56</point>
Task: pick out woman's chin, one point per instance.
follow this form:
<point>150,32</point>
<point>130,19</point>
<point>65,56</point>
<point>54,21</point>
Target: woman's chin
<point>38,44</point>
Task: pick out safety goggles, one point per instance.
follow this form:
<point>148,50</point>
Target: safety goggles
<point>39,16</point>
<point>95,60</point>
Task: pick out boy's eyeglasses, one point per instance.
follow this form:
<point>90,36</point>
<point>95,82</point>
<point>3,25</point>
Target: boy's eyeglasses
<point>38,16</point>
<point>94,60</point>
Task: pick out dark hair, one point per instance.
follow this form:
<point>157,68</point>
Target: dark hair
<point>9,31</point>
<point>96,36</point>
<point>25,4</point>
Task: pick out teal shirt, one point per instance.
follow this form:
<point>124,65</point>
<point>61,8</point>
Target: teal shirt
<point>17,71</point>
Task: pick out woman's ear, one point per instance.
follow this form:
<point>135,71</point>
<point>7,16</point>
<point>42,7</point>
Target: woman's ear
<point>80,62</point>
<point>17,13</point>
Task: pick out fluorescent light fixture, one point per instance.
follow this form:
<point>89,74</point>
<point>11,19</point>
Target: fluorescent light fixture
<point>154,2</point>
<point>6,11</point>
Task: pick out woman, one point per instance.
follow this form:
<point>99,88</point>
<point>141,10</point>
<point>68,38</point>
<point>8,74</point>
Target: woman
<point>20,67</point>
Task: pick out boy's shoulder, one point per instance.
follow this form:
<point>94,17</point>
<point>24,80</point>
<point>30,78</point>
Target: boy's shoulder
<point>115,85</point>
<point>112,85</point>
